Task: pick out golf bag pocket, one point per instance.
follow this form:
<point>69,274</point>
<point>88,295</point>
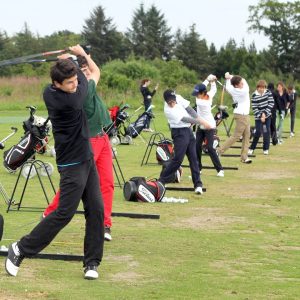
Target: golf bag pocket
<point>139,189</point>
<point>18,154</point>
<point>164,151</point>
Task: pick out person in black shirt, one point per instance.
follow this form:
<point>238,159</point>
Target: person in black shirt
<point>78,175</point>
<point>292,107</point>
<point>147,95</point>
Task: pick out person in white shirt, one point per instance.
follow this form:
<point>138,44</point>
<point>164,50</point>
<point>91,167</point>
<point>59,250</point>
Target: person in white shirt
<point>238,88</point>
<point>204,100</point>
<point>180,117</point>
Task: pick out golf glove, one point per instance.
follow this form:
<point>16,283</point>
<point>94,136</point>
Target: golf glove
<point>211,77</point>
<point>227,75</point>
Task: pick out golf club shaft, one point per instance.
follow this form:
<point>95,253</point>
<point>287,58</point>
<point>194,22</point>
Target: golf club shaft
<point>24,59</point>
<point>10,135</point>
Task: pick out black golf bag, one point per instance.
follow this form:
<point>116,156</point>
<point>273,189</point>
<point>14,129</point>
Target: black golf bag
<point>176,176</point>
<point>34,141</point>
<point>216,143</point>
<point>135,128</point>
<point>220,116</point>
<point>164,151</point>
<point>141,190</point>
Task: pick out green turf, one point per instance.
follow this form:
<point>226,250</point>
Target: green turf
<point>240,240</point>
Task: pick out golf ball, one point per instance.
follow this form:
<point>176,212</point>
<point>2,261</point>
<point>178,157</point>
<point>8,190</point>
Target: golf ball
<point>289,188</point>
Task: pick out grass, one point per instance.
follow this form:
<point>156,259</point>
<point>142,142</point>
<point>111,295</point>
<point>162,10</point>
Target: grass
<point>240,240</point>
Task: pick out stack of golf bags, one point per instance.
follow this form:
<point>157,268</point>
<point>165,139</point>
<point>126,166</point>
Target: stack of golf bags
<point>35,140</point>
<point>139,189</point>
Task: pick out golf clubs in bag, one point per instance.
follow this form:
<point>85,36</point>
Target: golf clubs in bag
<point>139,189</point>
<point>35,140</point>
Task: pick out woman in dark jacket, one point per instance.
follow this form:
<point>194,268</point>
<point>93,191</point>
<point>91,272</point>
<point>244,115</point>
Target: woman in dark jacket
<point>147,95</point>
<point>282,106</point>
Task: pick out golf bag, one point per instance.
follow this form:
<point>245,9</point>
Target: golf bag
<point>35,140</point>
<point>220,116</point>
<point>176,176</point>
<point>135,128</point>
<point>216,143</point>
<point>141,190</point>
<point>117,130</point>
<point>164,151</point>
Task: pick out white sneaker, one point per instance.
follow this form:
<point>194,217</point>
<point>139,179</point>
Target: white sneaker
<point>266,152</point>
<point>250,152</point>
<point>107,234</point>
<point>221,173</point>
<point>91,272</point>
<point>13,260</point>
<point>198,190</point>
<point>292,134</point>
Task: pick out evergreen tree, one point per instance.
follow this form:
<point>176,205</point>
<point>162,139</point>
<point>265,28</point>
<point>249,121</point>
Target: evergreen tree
<point>193,52</point>
<point>107,43</point>
<point>149,36</point>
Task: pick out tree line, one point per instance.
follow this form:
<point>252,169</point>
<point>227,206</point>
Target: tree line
<point>149,38</point>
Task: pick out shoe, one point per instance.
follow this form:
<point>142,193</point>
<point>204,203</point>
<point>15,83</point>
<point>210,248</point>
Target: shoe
<point>250,151</point>
<point>198,190</point>
<point>292,134</point>
<point>246,161</point>
<point>107,234</point>
<point>266,152</point>
<point>90,272</point>
<point>13,260</point>
<point>221,173</point>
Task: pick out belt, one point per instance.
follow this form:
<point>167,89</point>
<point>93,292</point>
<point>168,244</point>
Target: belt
<point>101,133</point>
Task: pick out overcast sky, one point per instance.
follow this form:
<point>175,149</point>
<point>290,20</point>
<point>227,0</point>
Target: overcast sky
<point>216,20</point>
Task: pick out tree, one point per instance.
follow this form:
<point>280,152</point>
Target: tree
<point>193,51</point>
<point>149,36</point>
<point>107,43</point>
<point>280,22</point>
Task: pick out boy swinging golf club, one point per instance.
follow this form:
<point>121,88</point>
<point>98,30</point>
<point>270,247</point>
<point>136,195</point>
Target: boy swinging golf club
<point>64,100</point>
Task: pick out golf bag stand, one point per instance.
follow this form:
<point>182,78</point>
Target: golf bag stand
<point>118,171</point>
<point>2,146</point>
<point>154,140</point>
<point>36,166</point>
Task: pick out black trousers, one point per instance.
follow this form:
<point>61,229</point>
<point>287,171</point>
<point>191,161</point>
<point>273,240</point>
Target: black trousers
<point>147,104</point>
<point>265,130</point>
<point>209,135</point>
<point>184,144</point>
<point>76,182</point>
<point>293,116</point>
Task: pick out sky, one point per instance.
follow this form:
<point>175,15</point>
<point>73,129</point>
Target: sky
<point>216,20</point>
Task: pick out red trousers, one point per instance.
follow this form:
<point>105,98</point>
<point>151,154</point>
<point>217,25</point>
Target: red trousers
<point>103,160</point>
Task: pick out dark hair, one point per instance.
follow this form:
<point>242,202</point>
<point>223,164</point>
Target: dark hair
<point>144,81</point>
<point>82,61</point>
<point>235,80</point>
<point>290,87</point>
<point>63,69</point>
<point>271,86</point>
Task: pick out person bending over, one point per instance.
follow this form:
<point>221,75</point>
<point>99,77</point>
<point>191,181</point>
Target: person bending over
<point>180,117</point>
